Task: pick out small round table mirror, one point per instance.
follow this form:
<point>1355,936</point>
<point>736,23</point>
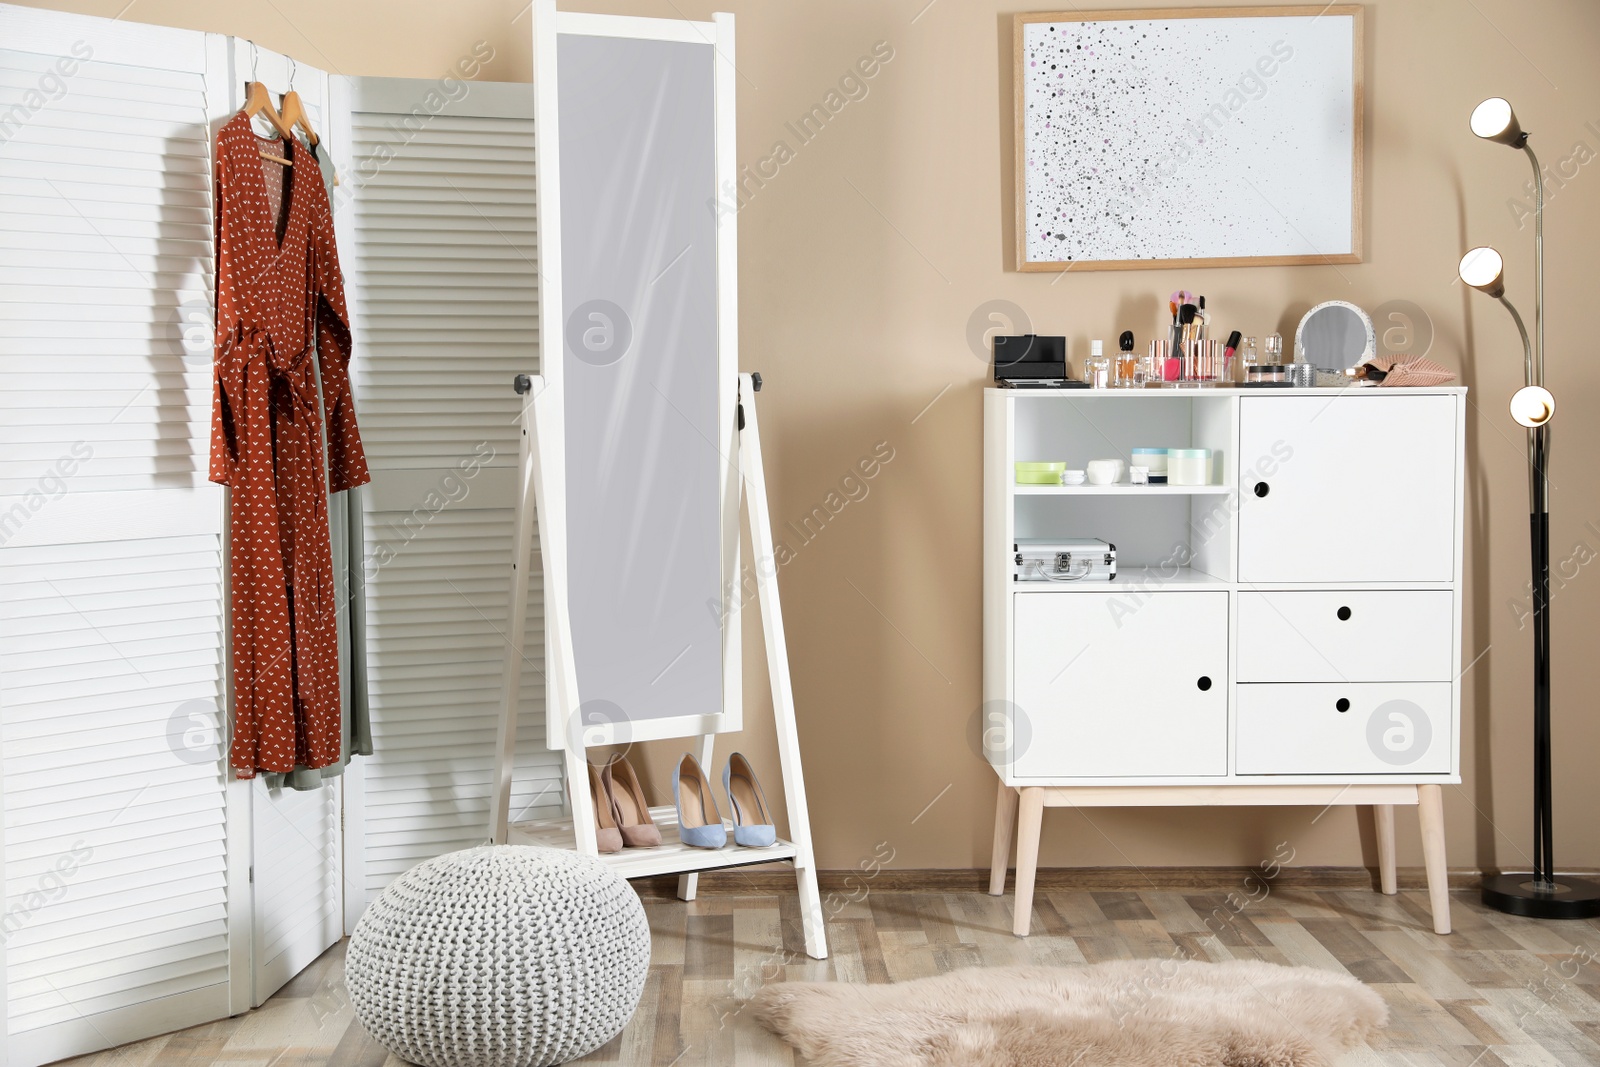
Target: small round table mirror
<point>1335,335</point>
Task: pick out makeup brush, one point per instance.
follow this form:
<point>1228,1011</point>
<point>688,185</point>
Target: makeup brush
<point>1177,300</point>
<point>1186,320</point>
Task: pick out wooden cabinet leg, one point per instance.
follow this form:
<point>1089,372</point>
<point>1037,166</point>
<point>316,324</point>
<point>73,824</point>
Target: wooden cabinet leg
<point>1383,819</point>
<point>1005,825</point>
<point>1030,814</point>
<point>1430,813</point>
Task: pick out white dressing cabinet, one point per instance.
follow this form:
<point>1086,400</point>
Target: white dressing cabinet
<point>1289,634</point>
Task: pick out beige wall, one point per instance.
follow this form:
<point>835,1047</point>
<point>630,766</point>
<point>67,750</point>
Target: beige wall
<point>861,265</point>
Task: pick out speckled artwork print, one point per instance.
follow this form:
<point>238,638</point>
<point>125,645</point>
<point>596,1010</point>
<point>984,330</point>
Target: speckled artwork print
<point>1188,138</point>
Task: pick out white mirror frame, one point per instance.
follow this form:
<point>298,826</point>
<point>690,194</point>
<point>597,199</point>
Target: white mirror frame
<point>718,34</point>
<point>1367,352</point>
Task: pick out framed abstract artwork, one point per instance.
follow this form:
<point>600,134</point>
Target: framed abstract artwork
<point>1207,137</point>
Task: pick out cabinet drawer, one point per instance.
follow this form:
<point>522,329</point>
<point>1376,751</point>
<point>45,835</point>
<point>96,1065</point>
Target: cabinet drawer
<point>1362,635</point>
<point>1386,728</point>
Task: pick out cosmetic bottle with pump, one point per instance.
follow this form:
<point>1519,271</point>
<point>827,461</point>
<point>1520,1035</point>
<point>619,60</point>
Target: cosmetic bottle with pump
<point>1097,368</point>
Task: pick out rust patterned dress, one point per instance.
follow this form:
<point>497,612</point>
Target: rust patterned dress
<point>280,307</point>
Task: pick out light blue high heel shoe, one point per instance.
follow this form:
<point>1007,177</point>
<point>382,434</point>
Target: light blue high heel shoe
<point>752,825</point>
<point>699,821</point>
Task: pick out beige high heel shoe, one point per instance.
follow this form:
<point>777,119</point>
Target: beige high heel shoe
<point>633,814</point>
<point>607,836</point>
<point>752,826</point>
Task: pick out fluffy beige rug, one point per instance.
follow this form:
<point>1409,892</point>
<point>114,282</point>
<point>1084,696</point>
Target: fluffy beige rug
<point>1126,1013</point>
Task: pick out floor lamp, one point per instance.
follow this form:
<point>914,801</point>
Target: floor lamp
<point>1539,894</point>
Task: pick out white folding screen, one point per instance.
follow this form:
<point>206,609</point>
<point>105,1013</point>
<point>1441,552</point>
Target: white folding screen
<point>439,247</point>
<point>111,566</point>
<point>143,891</point>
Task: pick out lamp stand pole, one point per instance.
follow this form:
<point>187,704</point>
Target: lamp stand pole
<point>1540,895</point>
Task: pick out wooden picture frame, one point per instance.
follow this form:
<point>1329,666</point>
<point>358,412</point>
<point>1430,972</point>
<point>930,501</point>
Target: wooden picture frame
<point>1305,225</point>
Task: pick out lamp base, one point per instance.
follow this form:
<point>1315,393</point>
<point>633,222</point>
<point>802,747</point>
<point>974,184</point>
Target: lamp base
<point>1516,894</point>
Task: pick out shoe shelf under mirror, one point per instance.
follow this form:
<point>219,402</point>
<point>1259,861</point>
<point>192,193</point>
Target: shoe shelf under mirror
<point>1166,535</point>
<point>672,856</point>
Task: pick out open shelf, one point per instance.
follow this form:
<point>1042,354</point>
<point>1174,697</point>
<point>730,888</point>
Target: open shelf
<point>672,856</point>
<point>1122,489</point>
<point>1135,579</point>
<point>1168,531</point>
<point>1184,533</point>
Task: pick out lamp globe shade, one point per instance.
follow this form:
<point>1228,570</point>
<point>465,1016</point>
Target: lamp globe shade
<point>1493,120</point>
<point>1482,268</point>
<point>1532,406</point>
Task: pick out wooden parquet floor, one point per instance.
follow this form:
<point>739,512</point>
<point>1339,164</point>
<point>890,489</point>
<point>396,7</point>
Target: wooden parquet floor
<point>1499,992</point>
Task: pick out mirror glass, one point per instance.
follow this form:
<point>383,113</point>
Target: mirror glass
<point>641,376</point>
<point>1335,335</point>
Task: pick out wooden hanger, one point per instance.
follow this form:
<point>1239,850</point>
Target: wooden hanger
<point>293,111</point>
<point>258,101</point>
<point>295,114</point>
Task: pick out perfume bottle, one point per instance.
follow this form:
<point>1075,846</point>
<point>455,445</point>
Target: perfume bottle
<point>1248,355</point>
<point>1274,348</point>
<point>1097,368</point>
<point>1127,367</point>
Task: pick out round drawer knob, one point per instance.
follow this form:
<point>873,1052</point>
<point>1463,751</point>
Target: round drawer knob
<point>1344,614</point>
<point>1342,704</point>
<point>1262,489</point>
<point>1204,683</point>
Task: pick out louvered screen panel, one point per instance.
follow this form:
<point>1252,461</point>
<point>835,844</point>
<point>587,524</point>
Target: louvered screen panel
<point>111,581</point>
<point>448,280</point>
<point>296,846</point>
<point>105,260</point>
<point>437,609</point>
<point>110,684</point>
<point>445,277</point>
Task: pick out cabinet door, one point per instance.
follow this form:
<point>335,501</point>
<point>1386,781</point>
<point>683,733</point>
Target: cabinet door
<point>1120,684</point>
<point>1347,488</point>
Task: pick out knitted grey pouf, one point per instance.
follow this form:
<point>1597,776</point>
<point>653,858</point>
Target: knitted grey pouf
<point>499,957</point>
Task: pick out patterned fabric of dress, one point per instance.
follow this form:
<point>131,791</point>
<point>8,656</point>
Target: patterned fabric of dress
<point>280,309</point>
<point>349,572</point>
